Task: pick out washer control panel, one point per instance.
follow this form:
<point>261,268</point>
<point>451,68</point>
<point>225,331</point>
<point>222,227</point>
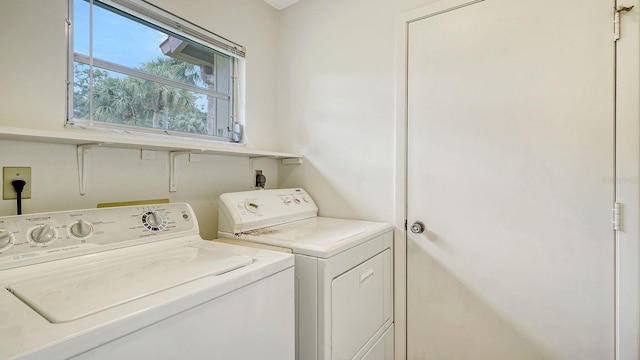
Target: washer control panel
<point>40,236</point>
<point>250,210</point>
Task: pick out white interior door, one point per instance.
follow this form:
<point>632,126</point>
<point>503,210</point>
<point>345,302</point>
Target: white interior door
<point>510,157</point>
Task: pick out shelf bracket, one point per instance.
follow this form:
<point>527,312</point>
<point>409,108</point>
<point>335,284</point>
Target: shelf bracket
<point>83,159</point>
<point>292,161</point>
<point>173,182</point>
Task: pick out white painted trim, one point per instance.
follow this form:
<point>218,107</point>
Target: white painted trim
<point>628,185</point>
<point>400,238</point>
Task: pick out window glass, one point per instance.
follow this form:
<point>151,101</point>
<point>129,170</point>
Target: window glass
<point>130,72</point>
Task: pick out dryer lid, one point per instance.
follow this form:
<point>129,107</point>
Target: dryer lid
<point>318,236</point>
<point>78,292</point>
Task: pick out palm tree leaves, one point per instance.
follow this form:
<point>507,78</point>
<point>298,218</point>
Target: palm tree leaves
<point>130,100</point>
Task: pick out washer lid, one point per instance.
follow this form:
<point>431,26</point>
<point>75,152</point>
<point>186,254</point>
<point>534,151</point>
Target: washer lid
<point>319,236</point>
<point>75,293</point>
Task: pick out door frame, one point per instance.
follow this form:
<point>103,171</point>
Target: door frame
<point>627,154</point>
<point>627,181</point>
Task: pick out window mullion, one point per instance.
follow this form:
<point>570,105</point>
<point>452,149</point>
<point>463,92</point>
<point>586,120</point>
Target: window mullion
<point>90,63</point>
<point>146,76</point>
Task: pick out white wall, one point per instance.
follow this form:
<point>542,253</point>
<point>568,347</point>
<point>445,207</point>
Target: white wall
<point>120,175</point>
<point>33,75</point>
<point>337,102</point>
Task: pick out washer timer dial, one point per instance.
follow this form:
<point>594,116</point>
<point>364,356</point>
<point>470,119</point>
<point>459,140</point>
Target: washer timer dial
<point>43,235</point>
<point>154,220</point>
<point>6,240</point>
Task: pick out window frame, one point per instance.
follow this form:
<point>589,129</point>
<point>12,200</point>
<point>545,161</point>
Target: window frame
<point>172,24</point>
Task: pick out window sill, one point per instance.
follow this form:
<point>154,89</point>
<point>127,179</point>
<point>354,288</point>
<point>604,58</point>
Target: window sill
<point>86,137</point>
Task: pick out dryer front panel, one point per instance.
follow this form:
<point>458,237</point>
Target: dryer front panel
<point>360,304</point>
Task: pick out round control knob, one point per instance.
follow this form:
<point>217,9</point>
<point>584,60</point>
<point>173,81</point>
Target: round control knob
<point>154,219</point>
<point>306,198</point>
<point>251,206</point>
<point>81,229</point>
<point>43,234</point>
<point>6,239</point>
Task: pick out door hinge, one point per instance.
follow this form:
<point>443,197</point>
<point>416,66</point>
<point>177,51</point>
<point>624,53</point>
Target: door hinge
<point>406,222</point>
<point>616,216</point>
<point>616,20</point>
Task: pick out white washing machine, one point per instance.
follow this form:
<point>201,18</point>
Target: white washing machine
<point>343,270</point>
<point>138,283</point>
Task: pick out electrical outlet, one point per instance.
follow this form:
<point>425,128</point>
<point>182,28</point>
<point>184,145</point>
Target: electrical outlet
<point>14,173</point>
<point>260,179</point>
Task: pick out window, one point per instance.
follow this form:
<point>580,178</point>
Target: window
<point>136,68</point>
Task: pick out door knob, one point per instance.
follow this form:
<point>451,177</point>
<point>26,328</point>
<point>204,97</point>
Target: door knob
<point>417,227</point>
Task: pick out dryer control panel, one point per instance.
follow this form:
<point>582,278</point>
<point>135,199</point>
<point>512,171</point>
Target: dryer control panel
<point>45,236</point>
<point>250,210</point>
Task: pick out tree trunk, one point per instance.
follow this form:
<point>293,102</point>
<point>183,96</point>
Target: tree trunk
<point>165,118</point>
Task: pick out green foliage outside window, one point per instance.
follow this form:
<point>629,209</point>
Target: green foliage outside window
<point>133,101</point>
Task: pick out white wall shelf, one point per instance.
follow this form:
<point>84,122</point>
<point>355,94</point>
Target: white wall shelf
<point>88,139</point>
<point>168,143</point>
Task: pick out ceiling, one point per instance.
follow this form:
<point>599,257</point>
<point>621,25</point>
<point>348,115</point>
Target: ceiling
<point>281,4</point>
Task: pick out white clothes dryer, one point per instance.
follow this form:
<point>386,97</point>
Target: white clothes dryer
<point>138,283</point>
<point>343,270</point>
